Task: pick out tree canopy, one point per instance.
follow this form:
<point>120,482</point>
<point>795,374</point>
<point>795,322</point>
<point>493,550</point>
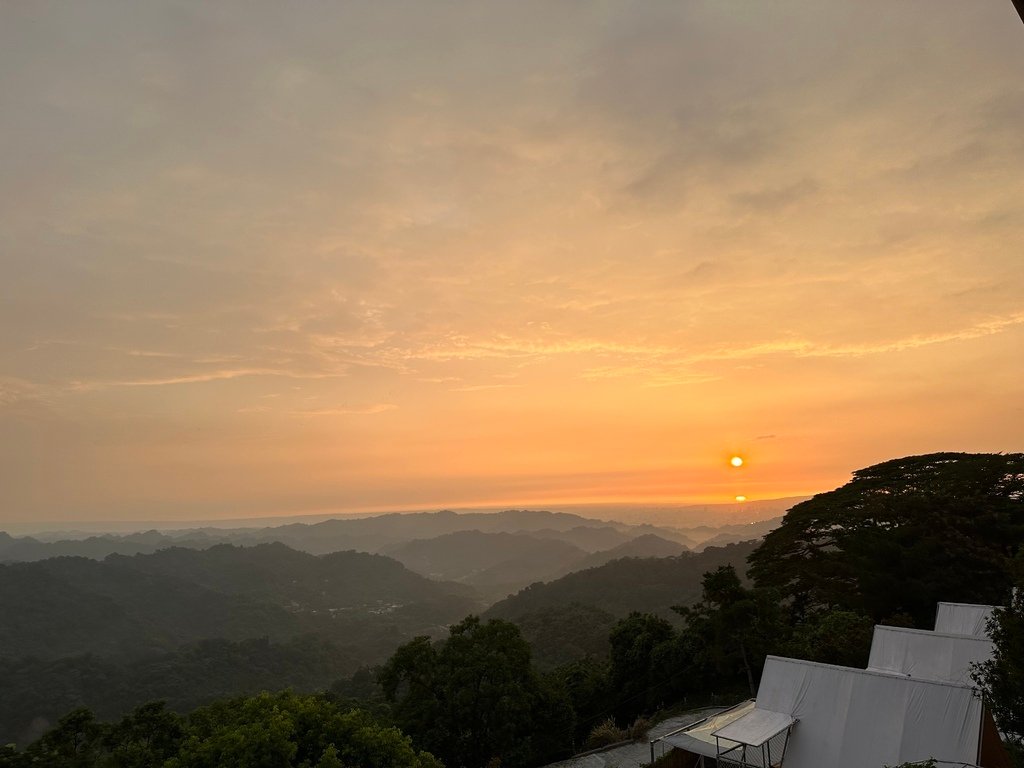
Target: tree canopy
<point>900,537</point>
<point>282,730</point>
<point>474,696</point>
<point>1001,678</point>
<point>733,627</point>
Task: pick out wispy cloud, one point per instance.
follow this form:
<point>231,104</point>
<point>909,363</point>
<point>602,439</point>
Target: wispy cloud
<point>346,411</point>
<point>484,387</point>
<point>14,390</point>
<point>202,378</point>
<point>646,197</point>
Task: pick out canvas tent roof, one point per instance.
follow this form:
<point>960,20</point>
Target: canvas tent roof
<point>963,619</point>
<point>927,655</point>
<point>852,718</point>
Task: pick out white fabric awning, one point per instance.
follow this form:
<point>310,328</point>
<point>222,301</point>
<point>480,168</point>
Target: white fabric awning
<point>756,727</point>
<point>699,738</point>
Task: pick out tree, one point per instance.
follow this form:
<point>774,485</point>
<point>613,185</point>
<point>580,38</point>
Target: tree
<point>1001,678</point>
<point>75,742</point>
<point>733,628</point>
<point>146,737</point>
<point>639,643</point>
<point>834,637</point>
<point>254,732</point>
<point>286,729</point>
<point>472,697</point>
<point>10,757</point>
<point>329,759</point>
<point>900,537</point>
<point>282,730</point>
<point>587,684</point>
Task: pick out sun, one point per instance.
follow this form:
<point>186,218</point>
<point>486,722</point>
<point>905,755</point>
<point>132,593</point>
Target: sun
<point>741,497</point>
<point>736,461</point>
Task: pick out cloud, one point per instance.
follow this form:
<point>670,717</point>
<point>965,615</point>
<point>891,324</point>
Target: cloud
<point>15,391</point>
<point>775,198</point>
<point>363,410</point>
<point>338,209</point>
<point>202,378</point>
<point>484,387</point>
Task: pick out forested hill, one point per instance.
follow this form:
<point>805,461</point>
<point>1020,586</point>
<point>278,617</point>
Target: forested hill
<point>472,556</point>
<point>295,579</point>
<point>134,605</point>
<point>371,534</point>
<point>18,549</point>
<point>630,584</point>
<point>71,606</point>
<point>648,545</point>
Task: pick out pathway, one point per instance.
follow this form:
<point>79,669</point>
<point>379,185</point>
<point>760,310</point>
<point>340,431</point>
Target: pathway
<point>638,753</point>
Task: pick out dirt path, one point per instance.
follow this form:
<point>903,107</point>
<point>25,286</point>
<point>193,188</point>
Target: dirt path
<point>638,753</point>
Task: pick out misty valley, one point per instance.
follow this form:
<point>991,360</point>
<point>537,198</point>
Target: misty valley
<point>527,637</point>
<point>114,621</point>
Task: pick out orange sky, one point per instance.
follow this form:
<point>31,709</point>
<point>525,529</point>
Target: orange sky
<point>269,258</point>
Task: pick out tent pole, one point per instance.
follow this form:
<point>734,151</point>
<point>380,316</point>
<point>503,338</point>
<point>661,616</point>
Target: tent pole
<point>785,744</point>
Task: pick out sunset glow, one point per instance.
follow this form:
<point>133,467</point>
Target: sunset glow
<point>253,262</point>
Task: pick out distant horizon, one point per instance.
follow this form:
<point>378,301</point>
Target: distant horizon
<point>94,527</point>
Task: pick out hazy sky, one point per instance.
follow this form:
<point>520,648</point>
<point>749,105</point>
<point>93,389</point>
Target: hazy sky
<point>288,257</point>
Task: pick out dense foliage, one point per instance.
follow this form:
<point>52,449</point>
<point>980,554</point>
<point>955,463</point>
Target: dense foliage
<point>641,645</point>
<point>475,696</point>
<point>733,627</point>
<point>900,537</point>
<point>36,692</point>
<point>561,635</point>
<point>134,606</point>
<point>188,626</point>
<point>1001,679</point>
<point>282,730</point>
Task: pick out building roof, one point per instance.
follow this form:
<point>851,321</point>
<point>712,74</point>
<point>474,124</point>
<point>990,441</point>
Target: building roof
<point>927,655</point>
<point>963,619</point>
<point>852,718</point>
<point>914,702</point>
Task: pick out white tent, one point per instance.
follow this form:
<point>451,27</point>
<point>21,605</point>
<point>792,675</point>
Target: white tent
<point>852,718</point>
<point>963,619</point>
<point>914,702</point>
<point>927,655</point>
